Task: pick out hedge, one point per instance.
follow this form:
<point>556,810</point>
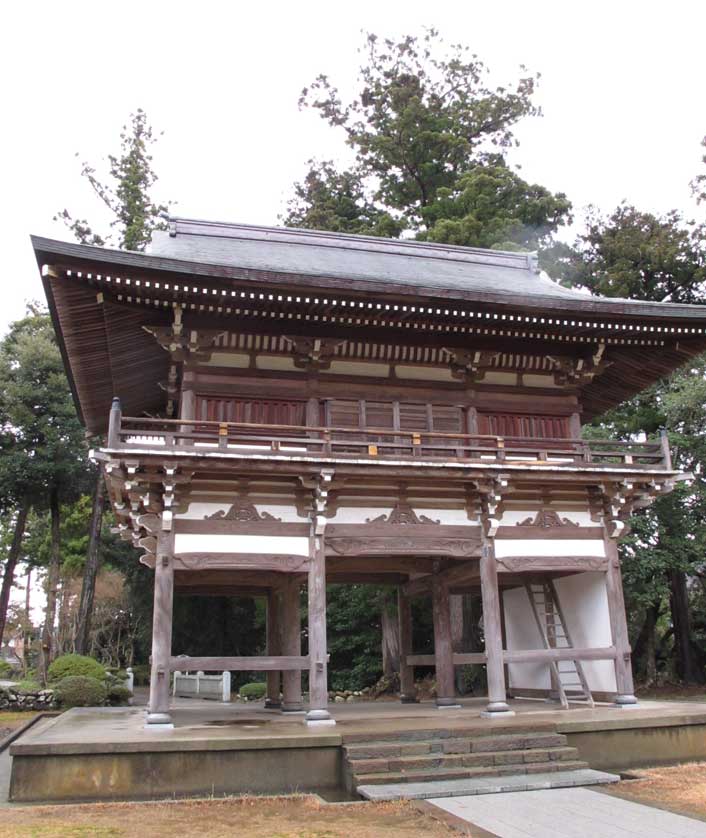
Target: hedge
<point>80,691</point>
<point>67,666</point>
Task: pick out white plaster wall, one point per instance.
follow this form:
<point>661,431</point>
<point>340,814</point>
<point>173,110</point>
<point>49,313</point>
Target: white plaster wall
<point>424,373</point>
<point>237,360</point>
<point>259,544</point>
<point>539,380</point>
<point>522,633</point>
<point>358,368</point>
<point>584,600</point>
<point>549,547</point>
<point>584,603</point>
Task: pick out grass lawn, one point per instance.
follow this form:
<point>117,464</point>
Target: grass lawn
<point>11,719</point>
<point>254,817</point>
<point>679,788</point>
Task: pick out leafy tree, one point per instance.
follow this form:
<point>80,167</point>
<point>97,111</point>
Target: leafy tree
<point>425,113</point>
<point>642,256</point>
<point>337,201</point>
<point>492,206</point>
<point>127,192</point>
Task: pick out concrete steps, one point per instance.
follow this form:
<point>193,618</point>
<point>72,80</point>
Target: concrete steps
<point>415,757</point>
<point>486,785</point>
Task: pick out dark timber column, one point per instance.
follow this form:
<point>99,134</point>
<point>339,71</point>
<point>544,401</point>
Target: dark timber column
<point>274,647</point>
<point>162,630</point>
<point>408,694</point>
<point>492,629</point>
<point>619,627</point>
<point>318,656</point>
<point>291,646</point>
<point>443,648</point>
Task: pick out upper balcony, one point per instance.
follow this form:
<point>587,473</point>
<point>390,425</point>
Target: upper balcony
<point>372,445</point>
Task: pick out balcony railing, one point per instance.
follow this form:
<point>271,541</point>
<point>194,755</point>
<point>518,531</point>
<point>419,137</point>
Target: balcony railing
<point>195,436</point>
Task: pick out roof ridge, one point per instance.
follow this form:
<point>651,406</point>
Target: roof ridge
<point>524,259</point>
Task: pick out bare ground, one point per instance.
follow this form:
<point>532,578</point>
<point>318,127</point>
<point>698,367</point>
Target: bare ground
<point>254,817</point>
<point>678,788</point>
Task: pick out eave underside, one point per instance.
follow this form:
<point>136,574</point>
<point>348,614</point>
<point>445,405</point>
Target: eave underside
<point>109,353</point>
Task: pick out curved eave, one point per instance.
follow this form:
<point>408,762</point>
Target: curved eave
<point>87,257</point>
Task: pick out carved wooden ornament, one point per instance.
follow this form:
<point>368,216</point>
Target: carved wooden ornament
<point>547,519</point>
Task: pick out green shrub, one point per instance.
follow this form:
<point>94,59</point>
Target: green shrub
<point>5,669</point>
<point>141,674</point>
<point>80,691</point>
<point>253,691</point>
<point>118,695</point>
<point>67,666</point>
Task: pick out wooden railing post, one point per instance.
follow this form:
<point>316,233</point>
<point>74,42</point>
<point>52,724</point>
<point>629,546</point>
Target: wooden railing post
<point>114,422</point>
<point>666,453</point>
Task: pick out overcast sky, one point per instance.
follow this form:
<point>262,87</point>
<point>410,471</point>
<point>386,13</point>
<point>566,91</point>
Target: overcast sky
<point>622,92</point>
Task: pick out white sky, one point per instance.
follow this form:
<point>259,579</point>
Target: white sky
<point>622,92</point>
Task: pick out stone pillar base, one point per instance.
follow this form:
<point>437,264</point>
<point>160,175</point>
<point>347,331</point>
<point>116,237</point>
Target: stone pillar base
<point>159,721</point>
<point>292,707</point>
<point>496,710</point>
<point>409,699</point>
<point>626,702</point>
<point>316,718</point>
<point>272,704</point>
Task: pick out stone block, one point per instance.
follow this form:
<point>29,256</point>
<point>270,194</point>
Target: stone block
<point>456,746</point>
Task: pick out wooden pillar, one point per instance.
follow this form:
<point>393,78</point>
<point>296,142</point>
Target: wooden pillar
<point>492,629</point>
<point>619,627</point>
<point>274,647</point>
<point>408,693</point>
<point>162,630</point>
<point>443,647</point>
<point>291,645</point>
<point>318,655</point>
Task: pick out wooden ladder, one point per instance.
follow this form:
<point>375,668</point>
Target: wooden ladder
<point>568,676</point>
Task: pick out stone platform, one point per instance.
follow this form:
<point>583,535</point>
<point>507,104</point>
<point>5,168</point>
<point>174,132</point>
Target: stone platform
<point>220,749</point>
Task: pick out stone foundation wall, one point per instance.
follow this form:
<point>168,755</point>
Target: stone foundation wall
<point>11,699</point>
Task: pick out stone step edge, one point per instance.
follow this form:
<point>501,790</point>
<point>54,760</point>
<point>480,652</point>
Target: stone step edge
<point>479,731</point>
<point>494,785</point>
<point>353,747</point>
<point>433,775</point>
<point>554,755</point>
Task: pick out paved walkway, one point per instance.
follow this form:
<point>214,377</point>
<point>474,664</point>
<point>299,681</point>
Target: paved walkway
<point>568,813</point>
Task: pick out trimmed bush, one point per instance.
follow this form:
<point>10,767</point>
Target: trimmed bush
<point>253,691</point>
<point>5,669</point>
<point>118,695</point>
<point>80,691</point>
<point>68,666</point>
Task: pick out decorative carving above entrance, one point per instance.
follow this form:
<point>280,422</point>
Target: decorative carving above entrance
<point>547,564</point>
<point>243,511</point>
<point>402,514</point>
<point>547,519</point>
<point>402,546</point>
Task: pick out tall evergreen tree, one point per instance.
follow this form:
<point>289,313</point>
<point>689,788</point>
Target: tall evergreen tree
<point>47,462</point>
<point>127,194</point>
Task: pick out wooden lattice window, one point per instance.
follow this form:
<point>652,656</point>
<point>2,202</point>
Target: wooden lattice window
<point>527,425</point>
